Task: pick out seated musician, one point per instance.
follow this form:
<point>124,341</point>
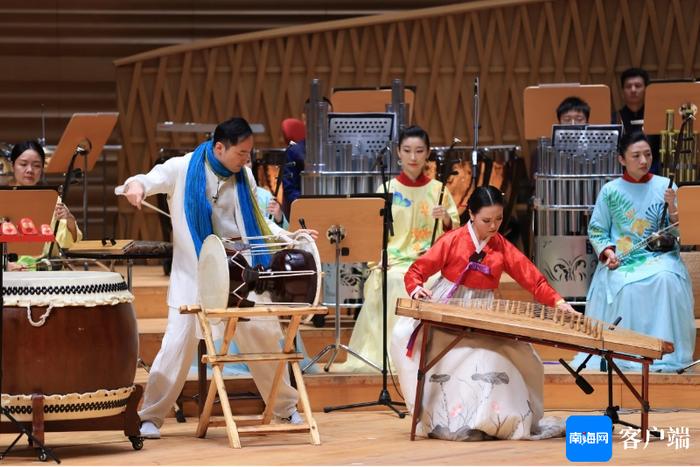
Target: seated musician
<point>650,290</point>
<point>415,209</point>
<point>487,387</point>
<point>296,153</point>
<point>209,190</point>
<point>268,204</point>
<point>28,159</point>
<point>573,111</point>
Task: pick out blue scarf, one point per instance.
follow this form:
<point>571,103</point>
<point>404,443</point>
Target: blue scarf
<point>198,209</point>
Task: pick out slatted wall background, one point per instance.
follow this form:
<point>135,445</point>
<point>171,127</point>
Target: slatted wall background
<point>509,44</point>
<point>59,54</point>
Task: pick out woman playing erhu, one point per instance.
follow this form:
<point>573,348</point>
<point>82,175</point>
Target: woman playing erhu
<point>414,211</point>
<point>650,291</point>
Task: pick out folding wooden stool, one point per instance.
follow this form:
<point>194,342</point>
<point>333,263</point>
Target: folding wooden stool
<point>253,423</point>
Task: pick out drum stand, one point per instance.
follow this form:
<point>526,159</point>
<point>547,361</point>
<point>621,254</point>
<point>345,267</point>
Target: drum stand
<point>43,452</point>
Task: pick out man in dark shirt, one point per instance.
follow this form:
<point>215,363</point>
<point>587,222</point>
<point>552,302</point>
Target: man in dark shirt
<point>634,82</point>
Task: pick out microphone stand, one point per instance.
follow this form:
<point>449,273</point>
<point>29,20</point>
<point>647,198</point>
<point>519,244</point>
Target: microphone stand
<point>475,149</point>
<point>606,365</point>
<point>384,396</point>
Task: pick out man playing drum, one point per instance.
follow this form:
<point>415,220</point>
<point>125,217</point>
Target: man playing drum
<point>209,191</point>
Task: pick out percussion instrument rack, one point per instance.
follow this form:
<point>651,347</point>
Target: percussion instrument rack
<point>572,167</point>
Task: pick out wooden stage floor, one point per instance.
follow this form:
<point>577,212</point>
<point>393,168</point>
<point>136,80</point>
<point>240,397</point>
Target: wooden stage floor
<point>349,438</point>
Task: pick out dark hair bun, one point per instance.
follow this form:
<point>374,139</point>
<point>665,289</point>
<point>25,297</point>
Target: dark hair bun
<point>484,196</point>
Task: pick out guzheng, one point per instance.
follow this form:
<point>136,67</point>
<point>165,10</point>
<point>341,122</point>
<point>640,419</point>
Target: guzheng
<point>534,321</point>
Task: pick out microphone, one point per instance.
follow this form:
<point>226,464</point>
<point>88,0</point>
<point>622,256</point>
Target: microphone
<point>379,161</point>
<point>615,323</point>
<point>580,380</point>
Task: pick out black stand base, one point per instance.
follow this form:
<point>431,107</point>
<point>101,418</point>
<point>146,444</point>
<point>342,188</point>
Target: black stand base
<point>384,400</point>
<point>613,415</point>
<point>684,369</point>
<point>43,453</point>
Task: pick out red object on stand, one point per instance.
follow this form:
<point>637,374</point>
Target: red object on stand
<point>27,232</point>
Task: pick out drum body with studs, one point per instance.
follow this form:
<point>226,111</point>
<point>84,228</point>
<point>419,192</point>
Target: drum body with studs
<point>225,278</point>
<point>70,336</point>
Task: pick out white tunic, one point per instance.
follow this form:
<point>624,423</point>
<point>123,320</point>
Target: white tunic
<point>169,178</point>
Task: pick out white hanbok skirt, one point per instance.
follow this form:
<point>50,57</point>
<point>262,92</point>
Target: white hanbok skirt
<point>484,388</point>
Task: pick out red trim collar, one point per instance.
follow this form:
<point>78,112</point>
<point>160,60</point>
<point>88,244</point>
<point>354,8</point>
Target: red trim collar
<point>404,179</point>
<point>644,179</point>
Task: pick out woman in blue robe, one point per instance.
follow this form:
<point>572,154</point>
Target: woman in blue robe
<point>650,291</point>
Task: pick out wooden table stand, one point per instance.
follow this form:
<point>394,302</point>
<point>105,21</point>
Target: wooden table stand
<point>255,424</point>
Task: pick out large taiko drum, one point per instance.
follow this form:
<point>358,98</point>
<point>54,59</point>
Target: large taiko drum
<point>225,279</point>
<point>71,337</point>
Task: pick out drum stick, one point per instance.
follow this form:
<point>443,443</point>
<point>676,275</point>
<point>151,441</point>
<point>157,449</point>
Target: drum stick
<point>158,210</point>
<point>149,205</point>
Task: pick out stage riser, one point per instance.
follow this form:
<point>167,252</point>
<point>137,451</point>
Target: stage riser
<point>560,392</point>
<point>315,339</point>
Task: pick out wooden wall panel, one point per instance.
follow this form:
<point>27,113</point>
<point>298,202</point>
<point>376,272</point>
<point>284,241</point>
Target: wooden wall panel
<point>57,55</point>
<point>508,44</point>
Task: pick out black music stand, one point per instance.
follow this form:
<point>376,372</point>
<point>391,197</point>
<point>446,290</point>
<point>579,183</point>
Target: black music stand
<point>384,396</point>
<point>688,213</point>
<point>44,453</point>
<point>353,227</point>
<point>85,135</point>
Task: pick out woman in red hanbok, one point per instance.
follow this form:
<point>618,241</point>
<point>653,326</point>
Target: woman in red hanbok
<point>485,387</point>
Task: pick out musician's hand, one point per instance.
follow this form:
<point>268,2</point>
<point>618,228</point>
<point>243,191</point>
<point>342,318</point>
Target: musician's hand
<point>439,212</point>
<point>134,193</point>
<point>313,233</point>
<point>564,306</point>
<point>611,259</point>
<point>275,209</point>
<point>62,212</point>
<point>421,294</point>
<point>12,266</point>
<point>670,198</point>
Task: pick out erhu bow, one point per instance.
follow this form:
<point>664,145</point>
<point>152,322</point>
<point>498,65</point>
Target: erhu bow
<point>444,173</point>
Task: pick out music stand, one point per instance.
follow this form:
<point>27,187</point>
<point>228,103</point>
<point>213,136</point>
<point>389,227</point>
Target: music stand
<point>35,202</point>
<point>540,105</point>
<point>86,135</point>
<point>689,209</point>
<point>16,204</point>
<point>353,228</point>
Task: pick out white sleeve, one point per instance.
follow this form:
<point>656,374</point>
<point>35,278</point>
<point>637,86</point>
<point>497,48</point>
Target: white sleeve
<point>161,178</point>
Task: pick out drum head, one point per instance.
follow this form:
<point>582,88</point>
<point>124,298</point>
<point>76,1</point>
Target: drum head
<point>212,274</point>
